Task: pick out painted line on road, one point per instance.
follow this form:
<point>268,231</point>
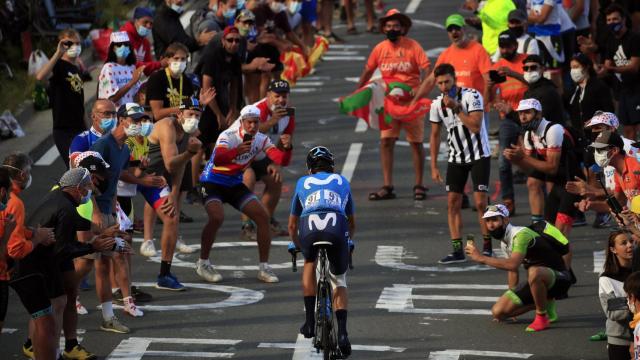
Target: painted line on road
<point>343,58</point>
<point>393,257</point>
<point>9,330</point>
<point>309,83</point>
<point>349,46</point>
<point>341,52</point>
<point>361,126</point>
<point>135,348</point>
<point>49,157</point>
<point>189,354</point>
<point>304,350</point>
<point>351,161</point>
<point>453,286</point>
<point>353,79</point>
<point>598,261</point>
<point>456,354</point>
<point>455,297</point>
<point>302,90</point>
<point>412,7</point>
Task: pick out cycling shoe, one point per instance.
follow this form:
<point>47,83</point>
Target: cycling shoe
<point>344,345</point>
<point>307,330</point>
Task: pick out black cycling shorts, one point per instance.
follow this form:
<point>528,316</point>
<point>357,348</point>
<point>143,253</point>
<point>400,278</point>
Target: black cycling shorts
<point>331,227</point>
<point>4,299</point>
<point>260,167</point>
<point>34,293</point>
<point>237,196</point>
<point>560,201</point>
<point>558,290</point>
<point>457,175</point>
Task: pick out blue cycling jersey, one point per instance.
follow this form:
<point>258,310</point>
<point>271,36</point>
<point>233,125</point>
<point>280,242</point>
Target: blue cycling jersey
<point>83,141</point>
<point>321,193</point>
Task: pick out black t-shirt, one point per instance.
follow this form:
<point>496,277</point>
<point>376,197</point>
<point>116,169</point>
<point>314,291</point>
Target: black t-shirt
<point>620,51</point>
<point>268,21</point>
<point>159,88</point>
<point>67,97</point>
<point>222,67</point>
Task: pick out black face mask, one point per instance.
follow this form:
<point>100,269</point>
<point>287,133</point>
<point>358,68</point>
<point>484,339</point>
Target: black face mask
<point>517,31</point>
<point>393,35</point>
<point>498,233</point>
<point>532,125</point>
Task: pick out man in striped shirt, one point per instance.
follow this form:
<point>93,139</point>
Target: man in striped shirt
<point>461,111</point>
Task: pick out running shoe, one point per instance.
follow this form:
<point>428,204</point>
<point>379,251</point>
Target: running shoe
<point>344,345</point>
<point>193,196</point>
<point>131,308</point>
<point>148,248</point>
<point>308,330</point>
<point>206,271</point>
<point>541,322</point>
<point>169,282</point>
<point>267,275</point>
<point>114,325</point>
<point>184,248</point>
<point>28,351</point>
<point>78,353</point>
<point>277,229</point>
<point>140,296</point>
<point>602,221</point>
<point>454,257</point>
<point>80,309</point>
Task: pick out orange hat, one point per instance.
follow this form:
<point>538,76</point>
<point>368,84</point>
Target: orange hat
<point>394,14</point>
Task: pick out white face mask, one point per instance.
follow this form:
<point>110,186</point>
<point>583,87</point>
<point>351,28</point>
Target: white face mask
<point>177,67</point>
<point>26,186</point>
<point>294,7</point>
<point>632,306</point>
<point>177,8</point>
<point>133,130</point>
<point>601,158</point>
<point>74,51</point>
<point>577,75</point>
<point>531,76</point>
<point>277,7</point>
<point>190,125</point>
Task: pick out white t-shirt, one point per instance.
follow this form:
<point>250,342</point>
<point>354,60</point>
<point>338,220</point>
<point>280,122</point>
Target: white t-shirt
<point>114,76</point>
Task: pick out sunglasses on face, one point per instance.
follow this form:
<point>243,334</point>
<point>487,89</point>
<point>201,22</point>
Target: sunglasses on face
<point>492,208</point>
<point>530,67</point>
<point>454,28</point>
<point>233,40</point>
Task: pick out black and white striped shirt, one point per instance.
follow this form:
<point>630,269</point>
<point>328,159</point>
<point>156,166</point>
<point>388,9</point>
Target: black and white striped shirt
<point>464,146</point>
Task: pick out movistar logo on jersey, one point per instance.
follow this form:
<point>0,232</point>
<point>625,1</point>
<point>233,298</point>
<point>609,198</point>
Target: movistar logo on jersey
<point>315,181</point>
<point>319,223</point>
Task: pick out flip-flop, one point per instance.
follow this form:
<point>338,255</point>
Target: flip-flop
<point>387,195</point>
<point>419,192</point>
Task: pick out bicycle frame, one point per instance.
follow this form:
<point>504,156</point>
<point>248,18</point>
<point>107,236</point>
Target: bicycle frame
<point>326,338</point>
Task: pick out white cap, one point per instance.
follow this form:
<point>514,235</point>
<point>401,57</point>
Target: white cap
<point>249,111</point>
<point>496,210</point>
<point>527,104</point>
<point>119,37</point>
<point>606,118</point>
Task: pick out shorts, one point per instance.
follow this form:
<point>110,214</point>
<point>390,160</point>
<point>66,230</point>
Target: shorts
<point>154,196</point>
<point>331,227</point>
<point>237,195</point>
<point>560,201</point>
<point>269,51</point>
<point>108,220</point>
<point>629,107</point>
<point>34,292</point>
<point>4,299</point>
<point>457,175</point>
<point>186,184</point>
<point>561,284</point>
<point>414,130</point>
<point>309,10</point>
<point>259,167</point>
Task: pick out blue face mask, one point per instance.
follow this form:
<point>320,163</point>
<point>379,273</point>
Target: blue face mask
<point>107,124</point>
<point>615,27</point>
<point>146,129</point>
<point>453,92</point>
<point>122,51</point>
<point>241,4</point>
<point>143,31</point>
<point>229,13</point>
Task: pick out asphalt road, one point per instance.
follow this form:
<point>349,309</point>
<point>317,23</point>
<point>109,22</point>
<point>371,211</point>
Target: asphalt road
<point>403,305</point>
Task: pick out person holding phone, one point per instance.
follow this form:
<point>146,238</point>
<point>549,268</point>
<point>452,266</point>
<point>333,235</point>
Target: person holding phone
<point>221,182</point>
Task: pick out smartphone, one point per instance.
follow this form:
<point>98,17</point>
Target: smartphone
<point>291,111</point>
<point>67,43</point>
<point>495,76</point>
<point>247,137</point>
<point>470,240</point>
<point>135,163</point>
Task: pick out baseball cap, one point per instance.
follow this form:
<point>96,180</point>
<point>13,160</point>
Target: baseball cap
<point>190,103</point>
<point>132,110</point>
<point>119,37</point>
<point>533,58</point>
<point>507,38</point>
<point>279,86</point>
<point>245,15</point>
<point>230,30</point>
<point>528,104</point>
<point>75,177</point>
<point>635,205</point>
<point>249,111</point>
<point>496,210</point>
<point>603,117</point>
<point>606,139</point>
<point>454,19</point>
<point>517,15</point>
<point>141,12</point>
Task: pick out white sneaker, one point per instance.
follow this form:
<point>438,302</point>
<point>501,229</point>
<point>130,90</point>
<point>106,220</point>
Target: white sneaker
<point>206,271</point>
<point>80,309</point>
<point>148,248</point>
<point>184,248</point>
<point>131,309</point>
<point>267,275</point>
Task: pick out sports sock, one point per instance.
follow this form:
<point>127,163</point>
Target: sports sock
<point>69,344</point>
<point>107,311</point>
<point>536,218</point>
<point>341,316</point>
<point>165,268</point>
<point>309,309</point>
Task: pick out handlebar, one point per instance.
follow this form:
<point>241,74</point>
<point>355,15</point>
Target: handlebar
<point>293,250</point>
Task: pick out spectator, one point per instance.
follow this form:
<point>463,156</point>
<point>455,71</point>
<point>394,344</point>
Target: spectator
<point>543,90</point>
<point>613,299</point>
<point>527,44</point>
<point>169,30</point>
<point>66,92</point>
<point>138,31</point>
<point>505,97</point>
<point>623,60</point>
<point>459,110</point>
<point>545,23</point>
<point>409,67</point>
<point>325,21</point>
<point>293,13</point>
<point>632,289</point>
<point>349,7</point>
<point>119,77</point>
<point>309,14</point>
<point>493,15</point>
<point>215,17</point>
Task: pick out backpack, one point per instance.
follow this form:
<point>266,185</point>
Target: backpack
<point>573,145</point>
<point>552,234</point>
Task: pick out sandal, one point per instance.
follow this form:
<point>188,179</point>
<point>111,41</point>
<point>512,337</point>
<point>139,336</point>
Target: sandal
<point>385,193</point>
<point>419,192</point>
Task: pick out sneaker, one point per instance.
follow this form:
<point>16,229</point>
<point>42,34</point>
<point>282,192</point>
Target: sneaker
<point>131,309</point>
<point>540,323</point>
<point>248,232</point>
<point>169,282</point>
<point>344,345</point>
<point>114,325</point>
<point>80,309</point>
<point>454,257</point>
<point>206,271</point>
<point>148,248</point>
<point>602,221</point>
<point>308,330</point>
<point>184,248</point>
<point>28,351</point>
<point>551,311</point>
<point>116,297</point>
<point>184,218</point>
<point>78,353</point>
<point>140,296</point>
<point>267,275</point>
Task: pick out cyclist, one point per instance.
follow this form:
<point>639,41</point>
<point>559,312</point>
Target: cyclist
<point>323,200</point>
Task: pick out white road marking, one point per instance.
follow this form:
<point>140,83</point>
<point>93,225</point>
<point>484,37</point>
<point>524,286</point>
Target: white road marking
<point>598,261</point>
<point>302,90</point>
<point>341,52</point>
<point>343,58</point>
<point>135,348</point>
<point>427,23</point>
<point>349,46</point>
<point>353,79</point>
<point>351,161</point>
<point>361,126</point>
<point>412,7</point>
<point>49,157</point>
<point>456,298</point>
<point>456,354</point>
<point>309,83</point>
<point>9,330</point>
<point>316,78</point>
<point>393,257</point>
<point>303,348</point>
